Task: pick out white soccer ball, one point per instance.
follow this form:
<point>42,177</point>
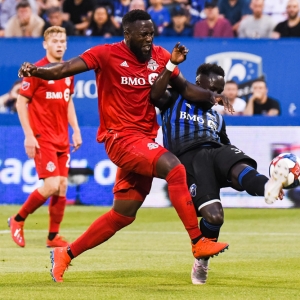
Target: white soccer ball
<point>293,163</point>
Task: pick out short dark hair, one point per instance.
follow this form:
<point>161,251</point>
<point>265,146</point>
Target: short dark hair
<point>53,10</point>
<point>231,81</point>
<point>206,69</point>
<point>260,80</point>
<point>23,4</point>
<point>135,15</point>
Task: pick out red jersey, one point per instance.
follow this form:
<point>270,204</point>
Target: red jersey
<point>124,85</point>
<point>48,108</point>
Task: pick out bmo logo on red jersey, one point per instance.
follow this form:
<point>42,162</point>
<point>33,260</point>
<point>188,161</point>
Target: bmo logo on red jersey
<point>133,81</point>
<point>138,81</point>
<point>59,95</point>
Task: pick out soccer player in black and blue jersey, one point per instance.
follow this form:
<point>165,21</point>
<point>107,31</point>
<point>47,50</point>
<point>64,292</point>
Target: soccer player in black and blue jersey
<point>196,134</point>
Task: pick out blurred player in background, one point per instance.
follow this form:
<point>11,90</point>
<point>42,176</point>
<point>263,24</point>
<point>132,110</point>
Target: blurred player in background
<point>45,108</point>
<point>128,127</point>
<point>196,133</point>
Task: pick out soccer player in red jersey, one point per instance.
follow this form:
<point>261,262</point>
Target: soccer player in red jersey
<point>45,108</point>
<point>128,127</point>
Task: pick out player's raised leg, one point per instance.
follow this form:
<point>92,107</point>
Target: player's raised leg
<point>169,167</point>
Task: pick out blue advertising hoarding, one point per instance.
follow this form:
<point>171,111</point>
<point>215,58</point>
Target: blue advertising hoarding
<point>243,60</point>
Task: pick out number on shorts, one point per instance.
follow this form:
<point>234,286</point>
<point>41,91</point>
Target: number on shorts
<point>236,150</point>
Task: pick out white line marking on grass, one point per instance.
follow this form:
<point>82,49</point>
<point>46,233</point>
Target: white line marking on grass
<point>169,232</point>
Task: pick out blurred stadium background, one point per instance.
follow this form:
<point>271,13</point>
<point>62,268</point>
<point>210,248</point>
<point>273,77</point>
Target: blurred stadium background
<point>244,60</point>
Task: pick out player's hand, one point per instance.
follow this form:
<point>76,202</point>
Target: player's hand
<point>222,100</point>
<point>31,144</point>
<point>179,54</point>
<point>77,140</point>
<point>27,70</point>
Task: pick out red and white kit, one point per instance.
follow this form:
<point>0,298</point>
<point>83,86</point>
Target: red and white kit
<point>48,117</point>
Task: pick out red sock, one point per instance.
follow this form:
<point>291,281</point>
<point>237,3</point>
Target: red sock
<point>33,202</point>
<point>100,231</point>
<point>181,200</point>
<point>56,211</point>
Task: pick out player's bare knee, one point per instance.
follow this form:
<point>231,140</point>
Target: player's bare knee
<point>216,218</point>
<point>51,185</point>
<point>63,185</point>
<point>165,164</point>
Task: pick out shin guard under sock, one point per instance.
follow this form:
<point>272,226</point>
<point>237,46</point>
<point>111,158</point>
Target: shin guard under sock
<point>181,200</point>
<point>210,230</point>
<point>252,181</point>
<point>56,212</point>
<point>100,231</point>
<point>33,202</point>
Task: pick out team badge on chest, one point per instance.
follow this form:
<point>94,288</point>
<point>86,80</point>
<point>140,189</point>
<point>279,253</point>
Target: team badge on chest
<point>152,65</point>
<point>68,81</point>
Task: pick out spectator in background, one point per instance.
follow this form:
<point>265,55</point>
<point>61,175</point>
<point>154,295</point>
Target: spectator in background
<point>257,25</point>
<point>8,10</point>
<point>137,4</point>
<point>260,103</point>
<point>196,10</point>
<point>213,25</point>
<point>160,15</point>
<point>238,104</point>
<point>234,11</point>
<point>43,6</point>
<point>291,26</point>
<point>178,26</point>
<point>55,18</point>
<point>8,100</point>
<point>24,23</point>
<point>276,9</point>
<point>121,7</point>
<point>101,24</point>
<point>79,12</point>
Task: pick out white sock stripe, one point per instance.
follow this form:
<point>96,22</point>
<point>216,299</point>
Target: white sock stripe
<point>208,202</point>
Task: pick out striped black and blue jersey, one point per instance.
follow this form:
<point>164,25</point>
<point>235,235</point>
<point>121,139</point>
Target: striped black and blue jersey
<point>186,125</point>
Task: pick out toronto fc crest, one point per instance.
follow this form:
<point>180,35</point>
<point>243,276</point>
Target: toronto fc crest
<point>152,65</point>
<point>50,166</point>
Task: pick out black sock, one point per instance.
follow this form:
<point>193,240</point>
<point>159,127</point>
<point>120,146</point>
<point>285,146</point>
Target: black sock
<point>252,181</point>
<point>18,218</point>
<point>210,230</point>
<point>52,235</point>
<point>70,252</point>
<point>195,241</point>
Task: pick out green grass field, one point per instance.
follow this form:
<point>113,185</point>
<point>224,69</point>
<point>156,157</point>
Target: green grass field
<point>151,259</point>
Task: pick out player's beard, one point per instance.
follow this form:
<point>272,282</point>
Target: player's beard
<point>140,55</point>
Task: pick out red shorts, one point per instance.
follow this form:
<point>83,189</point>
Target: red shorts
<point>49,162</point>
<point>135,155</point>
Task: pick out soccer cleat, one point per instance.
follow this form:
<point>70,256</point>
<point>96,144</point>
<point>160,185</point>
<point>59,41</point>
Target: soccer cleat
<point>58,241</point>
<point>207,247</point>
<point>60,261</point>
<point>275,184</point>
<point>16,229</point>
<point>199,271</point>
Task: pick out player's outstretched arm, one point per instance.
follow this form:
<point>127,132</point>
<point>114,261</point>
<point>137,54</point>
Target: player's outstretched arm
<point>54,71</point>
<point>178,55</point>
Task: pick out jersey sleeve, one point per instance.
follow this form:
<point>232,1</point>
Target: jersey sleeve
<point>28,87</point>
<point>96,57</point>
<point>167,56</point>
